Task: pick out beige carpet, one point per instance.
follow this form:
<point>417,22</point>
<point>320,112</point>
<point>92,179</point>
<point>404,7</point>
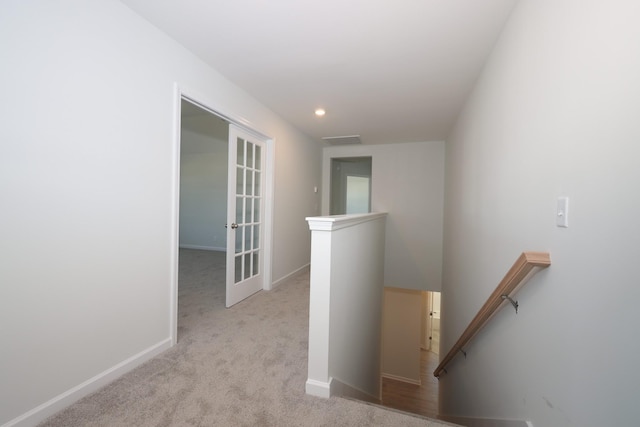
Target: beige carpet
<point>243,366</point>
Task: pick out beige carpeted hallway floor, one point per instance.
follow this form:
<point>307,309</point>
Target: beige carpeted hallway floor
<point>243,366</point>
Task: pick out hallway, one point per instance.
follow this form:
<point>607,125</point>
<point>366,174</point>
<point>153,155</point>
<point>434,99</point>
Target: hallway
<point>242,366</point>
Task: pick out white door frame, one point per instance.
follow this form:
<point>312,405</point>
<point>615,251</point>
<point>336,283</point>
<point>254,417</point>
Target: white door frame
<point>180,93</point>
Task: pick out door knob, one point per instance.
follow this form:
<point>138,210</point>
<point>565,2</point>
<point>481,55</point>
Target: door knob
<point>234,225</point>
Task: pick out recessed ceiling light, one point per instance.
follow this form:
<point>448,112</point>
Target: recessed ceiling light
<point>320,112</point>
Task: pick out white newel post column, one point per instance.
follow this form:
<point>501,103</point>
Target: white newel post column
<point>318,380</point>
<point>347,257</point>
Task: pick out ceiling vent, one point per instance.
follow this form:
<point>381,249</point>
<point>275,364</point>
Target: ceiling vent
<point>342,140</point>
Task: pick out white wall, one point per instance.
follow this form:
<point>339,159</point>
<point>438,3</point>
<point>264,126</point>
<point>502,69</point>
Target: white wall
<point>87,150</point>
<point>401,328</point>
<point>408,183</point>
<point>356,305</point>
<point>203,183</point>
<point>555,113</point>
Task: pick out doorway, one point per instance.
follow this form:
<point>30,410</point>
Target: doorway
<point>203,200</point>
<point>202,241</point>
<point>430,339</point>
<point>350,191</point>
<point>416,340</point>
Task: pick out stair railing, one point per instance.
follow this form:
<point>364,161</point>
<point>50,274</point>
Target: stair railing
<point>521,269</point>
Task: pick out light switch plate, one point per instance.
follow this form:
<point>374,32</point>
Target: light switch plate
<point>562,212</point>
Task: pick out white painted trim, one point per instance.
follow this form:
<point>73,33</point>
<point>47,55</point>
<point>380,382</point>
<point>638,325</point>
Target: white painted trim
<point>485,422</point>
<point>288,276</point>
<point>269,192</point>
<point>220,110</point>
<point>337,222</point>
<point>60,402</point>
<point>204,248</point>
<point>403,379</point>
<point>175,216</point>
<point>182,91</point>
<point>318,357</point>
<point>318,388</point>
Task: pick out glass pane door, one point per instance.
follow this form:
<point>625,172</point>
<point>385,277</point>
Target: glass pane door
<point>244,268</point>
<point>248,171</point>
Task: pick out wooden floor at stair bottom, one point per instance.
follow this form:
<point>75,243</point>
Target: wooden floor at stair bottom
<point>417,399</point>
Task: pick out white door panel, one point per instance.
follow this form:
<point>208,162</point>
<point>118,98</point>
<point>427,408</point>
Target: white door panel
<point>245,213</point>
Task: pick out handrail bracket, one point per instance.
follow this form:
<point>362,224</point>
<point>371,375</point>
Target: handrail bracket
<point>513,303</point>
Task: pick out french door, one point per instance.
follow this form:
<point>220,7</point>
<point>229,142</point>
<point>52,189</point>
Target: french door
<point>245,213</point>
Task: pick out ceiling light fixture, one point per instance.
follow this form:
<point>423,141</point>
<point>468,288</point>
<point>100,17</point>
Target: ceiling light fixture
<point>320,112</point>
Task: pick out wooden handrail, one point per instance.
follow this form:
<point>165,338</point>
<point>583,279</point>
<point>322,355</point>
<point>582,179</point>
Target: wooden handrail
<point>526,262</point>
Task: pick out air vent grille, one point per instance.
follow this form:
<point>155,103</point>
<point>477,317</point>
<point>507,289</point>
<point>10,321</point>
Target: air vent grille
<point>342,140</point>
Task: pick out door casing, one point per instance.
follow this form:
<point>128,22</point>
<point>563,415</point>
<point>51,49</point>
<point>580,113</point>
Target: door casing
<point>180,93</point>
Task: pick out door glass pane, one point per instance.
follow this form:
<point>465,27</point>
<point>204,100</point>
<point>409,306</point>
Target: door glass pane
<point>247,238</point>
<point>238,275</point>
<point>239,232</point>
<point>249,186</point>
<point>256,264</point>
<point>256,210</point>
<point>240,158</point>
<point>256,191</point>
<point>239,210</point>
<point>256,237</point>
<point>248,218</point>
<point>258,164</point>
<point>249,154</point>
<point>247,266</point>
<point>240,180</point>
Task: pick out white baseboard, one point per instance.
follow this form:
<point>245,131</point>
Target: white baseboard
<point>403,379</point>
<point>203,248</point>
<point>485,422</point>
<point>318,388</point>
<point>58,403</point>
<point>288,276</point>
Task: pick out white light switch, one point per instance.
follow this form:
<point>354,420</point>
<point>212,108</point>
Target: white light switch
<point>562,212</point>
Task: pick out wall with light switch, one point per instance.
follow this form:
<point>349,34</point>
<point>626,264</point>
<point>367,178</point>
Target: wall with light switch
<point>554,115</point>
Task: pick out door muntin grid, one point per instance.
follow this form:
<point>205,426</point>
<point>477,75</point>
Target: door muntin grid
<point>248,204</point>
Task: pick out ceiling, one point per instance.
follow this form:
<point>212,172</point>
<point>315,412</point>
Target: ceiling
<point>389,71</point>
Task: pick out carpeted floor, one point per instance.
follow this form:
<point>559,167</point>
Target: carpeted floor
<point>243,366</point>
